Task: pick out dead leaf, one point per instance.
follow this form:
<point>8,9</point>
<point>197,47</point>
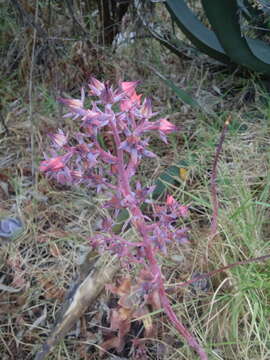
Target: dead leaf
<point>122,289</point>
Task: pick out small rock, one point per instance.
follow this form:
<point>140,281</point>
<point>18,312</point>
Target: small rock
<point>201,285</point>
<point>10,227</point>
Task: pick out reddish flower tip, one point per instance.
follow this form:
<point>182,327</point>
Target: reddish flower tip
<point>53,164</point>
<point>59,139</point>
<point>128,88</point>
<point>73,103</point>
<point>166,126</point>
<point>96,86</point>
<point>170,200</point>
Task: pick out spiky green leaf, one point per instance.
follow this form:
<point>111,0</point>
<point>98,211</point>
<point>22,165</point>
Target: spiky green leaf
<point>224,19</point>
<point>204,39</point>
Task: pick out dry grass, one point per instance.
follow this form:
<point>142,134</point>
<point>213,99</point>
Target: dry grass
<point>231,314</point>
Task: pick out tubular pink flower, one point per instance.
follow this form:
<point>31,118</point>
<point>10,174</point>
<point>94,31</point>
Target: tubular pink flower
<point>129,87</point>
<point>59,139</point>
<point>53,164</point>
<point>146,109</point>
<point>132,97</point>
<point>166,127</point>
<point>72,103</point>
<point>170,200</point>
<point>183,210</point>
<point>75,106</point>
<point>76,174</point>
<point>96,86</point>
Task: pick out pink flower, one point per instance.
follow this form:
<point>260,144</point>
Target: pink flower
<point>76,174</point>
<point>133,98</point>
<point>59,139</point>
<point>170,201</point>
<point>53,164</point>
<point>96,86</point>
<point>179,210</point>
<point>183,210</point>
<point>72,103</point>
<point>166,127</point>
<point>129,87</point>
<point>146,109</point>
<point>75,105</point>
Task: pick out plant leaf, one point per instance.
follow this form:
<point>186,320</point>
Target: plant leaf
<point>171,42</point>
<point>223,17</point>
<point>120,221</point>
<point>204,39</point>
<point>169,177</point>
<point>250,12</point>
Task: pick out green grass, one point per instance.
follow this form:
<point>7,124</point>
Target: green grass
<point>236,314</point>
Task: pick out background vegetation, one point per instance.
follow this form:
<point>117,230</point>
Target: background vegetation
<point>49,49</point>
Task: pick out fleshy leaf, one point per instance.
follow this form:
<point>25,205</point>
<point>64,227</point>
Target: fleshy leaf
<point>224,19</point>
<point>204,39</point>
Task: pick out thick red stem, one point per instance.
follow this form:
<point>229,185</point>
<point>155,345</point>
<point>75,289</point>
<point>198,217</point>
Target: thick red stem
<point>138,222</point>
<point>191,340</point>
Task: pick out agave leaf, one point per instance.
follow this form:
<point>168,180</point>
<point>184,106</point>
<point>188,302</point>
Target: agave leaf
<point>265,6</point>
<point>204,39</point>
<point>168,40</point>
<point>223,17</point>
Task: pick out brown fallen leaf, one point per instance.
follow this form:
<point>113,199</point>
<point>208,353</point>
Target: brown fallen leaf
<point>81,295</point>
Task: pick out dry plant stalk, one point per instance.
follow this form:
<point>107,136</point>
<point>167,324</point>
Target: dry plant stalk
<point>81,296</point>
<point>213,188</point>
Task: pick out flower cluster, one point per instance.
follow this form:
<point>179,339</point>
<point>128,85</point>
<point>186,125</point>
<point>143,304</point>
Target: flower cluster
<point>128,126</point>
<point>122,115</point>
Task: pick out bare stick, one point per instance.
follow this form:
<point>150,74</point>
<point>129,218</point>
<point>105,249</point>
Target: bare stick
<point>84,293</point>
<point>30,94</point>
<point>214,272</point>
<point>213,188</point>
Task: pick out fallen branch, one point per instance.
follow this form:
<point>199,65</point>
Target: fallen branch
<point>82,295</point>
<point>214,272</point>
